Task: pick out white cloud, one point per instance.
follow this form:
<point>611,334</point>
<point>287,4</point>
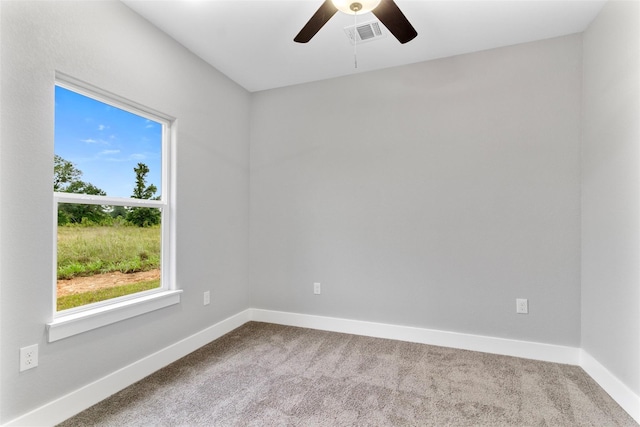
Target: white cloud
<point>95,141</point>
<point>108,152</point>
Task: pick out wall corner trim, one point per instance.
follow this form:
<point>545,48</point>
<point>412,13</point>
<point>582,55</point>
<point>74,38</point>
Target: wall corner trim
<point>622,394</point>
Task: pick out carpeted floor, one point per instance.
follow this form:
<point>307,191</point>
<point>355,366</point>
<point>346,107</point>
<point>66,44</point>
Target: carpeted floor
<point>270,375</point>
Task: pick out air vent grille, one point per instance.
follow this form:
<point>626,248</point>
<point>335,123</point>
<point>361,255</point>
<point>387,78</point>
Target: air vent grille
<point>365,32</point>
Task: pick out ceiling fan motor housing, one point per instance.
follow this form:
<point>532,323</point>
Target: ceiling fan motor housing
<point>353,7</point>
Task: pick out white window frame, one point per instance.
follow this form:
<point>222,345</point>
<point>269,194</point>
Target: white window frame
<point>76,320</point>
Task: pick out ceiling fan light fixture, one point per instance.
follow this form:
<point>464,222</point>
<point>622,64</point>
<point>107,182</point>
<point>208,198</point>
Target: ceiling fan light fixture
<point>352,7</point>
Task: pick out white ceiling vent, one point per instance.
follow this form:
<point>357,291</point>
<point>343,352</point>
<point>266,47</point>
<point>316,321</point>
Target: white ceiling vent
<point>364,32</point>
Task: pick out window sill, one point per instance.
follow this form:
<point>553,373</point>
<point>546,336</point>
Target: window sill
<point>77,323</point>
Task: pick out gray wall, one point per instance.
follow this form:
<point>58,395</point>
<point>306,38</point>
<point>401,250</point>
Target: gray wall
<point>611,191</point>
<point>430,195</point>
<point>108,45</point>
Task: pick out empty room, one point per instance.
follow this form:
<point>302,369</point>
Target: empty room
<point>318,212</point>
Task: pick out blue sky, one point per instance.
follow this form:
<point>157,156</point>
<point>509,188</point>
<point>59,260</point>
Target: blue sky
<point>106,143</point>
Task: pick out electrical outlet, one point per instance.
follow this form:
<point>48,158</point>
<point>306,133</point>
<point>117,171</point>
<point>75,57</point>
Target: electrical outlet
<point>207,298</point>
<point>28,357</point>
<point>522,306</point>
<point>316,288</point>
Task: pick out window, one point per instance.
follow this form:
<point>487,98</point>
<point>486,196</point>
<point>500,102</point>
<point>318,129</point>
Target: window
<point>112,206</point>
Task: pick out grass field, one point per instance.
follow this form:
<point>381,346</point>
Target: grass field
<point>78,300</point>
<point>87,251</point>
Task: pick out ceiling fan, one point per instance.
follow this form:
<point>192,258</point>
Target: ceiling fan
<point>385,10</point>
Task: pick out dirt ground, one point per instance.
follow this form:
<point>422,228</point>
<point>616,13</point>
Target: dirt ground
<point>100,281</point>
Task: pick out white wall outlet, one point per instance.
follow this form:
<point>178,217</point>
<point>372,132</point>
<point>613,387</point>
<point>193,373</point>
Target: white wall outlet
<point>28,357</point>
<point>207,298</point>
<point>316,288</point>
<point>522,306</point>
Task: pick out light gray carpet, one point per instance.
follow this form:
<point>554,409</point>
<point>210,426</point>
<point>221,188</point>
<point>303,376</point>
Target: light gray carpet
<point>269,375</point>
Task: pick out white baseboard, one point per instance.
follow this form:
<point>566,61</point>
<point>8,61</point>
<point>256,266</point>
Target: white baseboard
<point>623,395</point>
<point>74,402</point>
<point>67,406</point>
<point>507,347</point>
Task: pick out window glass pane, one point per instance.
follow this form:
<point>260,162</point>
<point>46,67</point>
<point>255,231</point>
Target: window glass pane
<point>97,147</point>
<point>113,150</point>
<point>97,261</point>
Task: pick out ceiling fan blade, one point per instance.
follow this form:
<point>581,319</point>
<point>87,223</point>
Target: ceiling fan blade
<point>392,17</point>
<point>317,21</point>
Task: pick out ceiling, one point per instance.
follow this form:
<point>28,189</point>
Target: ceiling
<point>251,41</point>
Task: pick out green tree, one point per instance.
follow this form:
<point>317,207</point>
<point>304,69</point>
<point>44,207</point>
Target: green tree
<point>66,179</point>
<point>118,212</point>
<point>64,173</point>
<point>143,217</point>
<point>142,191</point>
